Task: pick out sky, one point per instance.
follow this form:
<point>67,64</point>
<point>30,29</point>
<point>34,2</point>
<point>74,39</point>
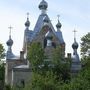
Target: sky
<point>74,14</point>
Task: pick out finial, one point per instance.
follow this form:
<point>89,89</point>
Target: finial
<point>27,23</point>
<point>43,5</point>
<point>10,30</point>
<point>58,25</point>
<point>74,33</point>
<point>58,17</point>
<point>75,44</point>
<point>27,14</point>
<point>10,41</point>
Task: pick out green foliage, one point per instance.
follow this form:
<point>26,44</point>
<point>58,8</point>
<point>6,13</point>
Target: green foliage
<point>36,55</point>
<point>57,77</point>
<point>8,87</point>
<point>86,62</point>
<point>57,55</point>
<point>61,65</point>
<point>85,45</point>
<point>2,69</point>
<point>41,82</point>
<point>1,51</point>
<point>76,84</point>
<point>1,64</point>
<point>80,83</point>
<point>49,77</point>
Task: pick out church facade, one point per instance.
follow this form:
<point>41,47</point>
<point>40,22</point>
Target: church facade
<point>18,70</point>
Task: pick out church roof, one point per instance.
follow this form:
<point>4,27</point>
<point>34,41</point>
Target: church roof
<point>75,58</point>
<point>40,24</point>
<point>43,17</point>
<point>60,37</point>
<point>29,34</point>
<point>22,66</point>
<point>11,56</point>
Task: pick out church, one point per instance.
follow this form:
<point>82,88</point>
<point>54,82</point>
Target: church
<point>18,69</point>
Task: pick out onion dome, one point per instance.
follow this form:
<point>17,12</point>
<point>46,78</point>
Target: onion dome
<point>48,35</point>
<point>27,23</point>
<point>43,5</point>
<point>58,25</point>
<point>45,20</point>
<point>75,45</point>
<point>9,42</point>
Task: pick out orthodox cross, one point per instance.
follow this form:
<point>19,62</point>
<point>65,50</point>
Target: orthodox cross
<point>58,16</point>
<point>74,33</point>
<point>10,30</point>
<point>27,14</point>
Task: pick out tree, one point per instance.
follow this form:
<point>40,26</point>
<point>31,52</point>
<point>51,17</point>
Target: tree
<point>85,45</point>
<point>56,77</point>
<point>2,69</point>
<point>77,83</point>
<point>61,65</point>
<point>85,51</point>
<point>43,82</point>
<point>36,55</point>
<point>1,52</point>
<point>42,77</point>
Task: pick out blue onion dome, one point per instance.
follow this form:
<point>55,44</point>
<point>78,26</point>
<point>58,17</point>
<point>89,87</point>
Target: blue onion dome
<point>45,20</point>
<point>9,42</point>
<point>48,35</point>
<point>75,45</point>
<point>43,5</point>
<point>27,23</point>
<point>58,25</point>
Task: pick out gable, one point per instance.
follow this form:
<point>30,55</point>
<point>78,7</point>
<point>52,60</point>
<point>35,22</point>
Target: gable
<point>40,37</point>
<point>39,25</point>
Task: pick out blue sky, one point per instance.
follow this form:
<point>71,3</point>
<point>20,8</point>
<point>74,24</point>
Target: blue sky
<point>74,14</point>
